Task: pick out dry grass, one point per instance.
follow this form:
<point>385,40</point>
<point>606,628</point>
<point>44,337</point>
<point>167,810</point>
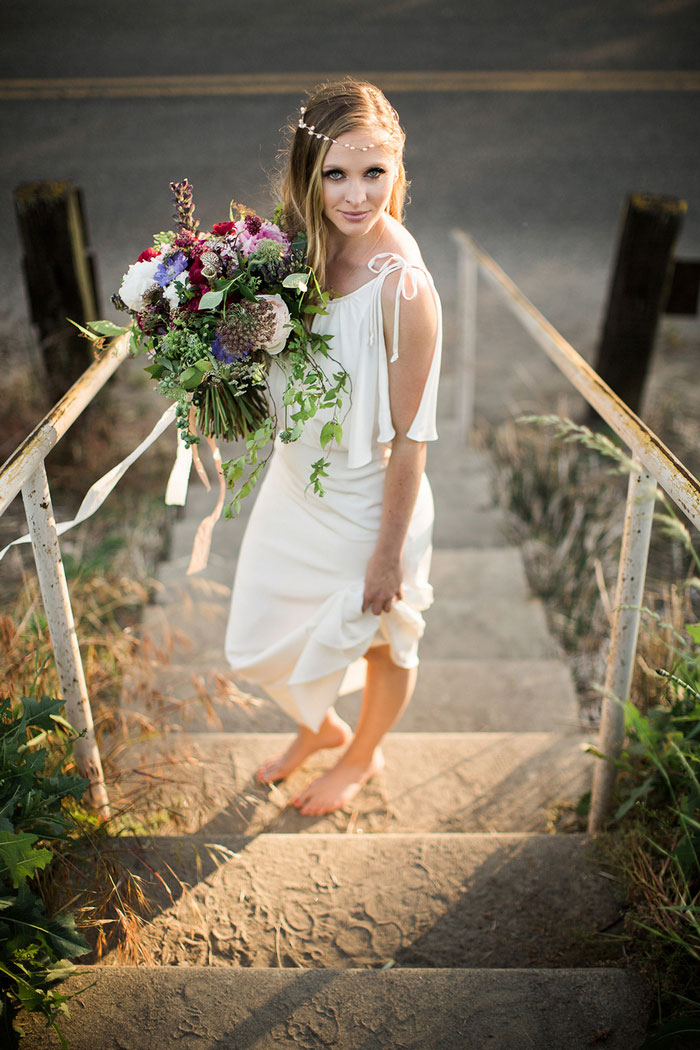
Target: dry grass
<point>567,512</point>
<point>566,507</point>
<point>110,562</point>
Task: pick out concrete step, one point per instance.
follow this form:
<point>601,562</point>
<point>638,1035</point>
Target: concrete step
<point>476,625</point>
<point>465,512</point>
<point>472,585</point>
<point>481,626</point>
<point>455,573</point>
<point>329,900</point>
<point>207,1008</point>
<point>465,527</point>
<point>451,696</point>
<point>432,782</point>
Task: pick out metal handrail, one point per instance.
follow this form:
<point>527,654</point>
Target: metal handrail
<point>656,463</point>
<point>25,471</point>
<point>673,476</point>
<point>37,445</point>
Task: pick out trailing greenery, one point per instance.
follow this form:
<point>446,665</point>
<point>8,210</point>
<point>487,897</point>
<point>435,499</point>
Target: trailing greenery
<point>35,947</point>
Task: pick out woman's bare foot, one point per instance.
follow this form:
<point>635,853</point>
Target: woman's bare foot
<point>338,786</point>
<point>334,732</point>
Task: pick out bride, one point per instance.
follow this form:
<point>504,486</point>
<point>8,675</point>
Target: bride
<point>329,587</point>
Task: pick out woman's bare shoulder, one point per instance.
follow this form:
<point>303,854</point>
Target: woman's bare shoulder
<point>415,284</point>
<point>419,317</point>
<point>398,240</point>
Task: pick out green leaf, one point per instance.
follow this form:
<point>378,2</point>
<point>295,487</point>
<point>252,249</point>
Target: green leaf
<point>247,293</point>
<point>693,630</point>
<point>93,336</point>
<point>210,300</point>
<point>299,281</point>
<point>330,431</point>
<point>65,939</point>
<point>107,328</point>
<point>190,378</point>
<point>203,365</point>
<point>19,859</point>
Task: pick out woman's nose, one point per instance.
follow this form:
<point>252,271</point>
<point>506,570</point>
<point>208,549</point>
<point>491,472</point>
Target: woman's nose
<point>355,193</point>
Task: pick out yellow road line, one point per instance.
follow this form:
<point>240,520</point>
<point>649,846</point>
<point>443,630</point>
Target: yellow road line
<point>295,83</point>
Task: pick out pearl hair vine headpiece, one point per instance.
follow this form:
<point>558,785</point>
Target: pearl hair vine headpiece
<point>310,129</point>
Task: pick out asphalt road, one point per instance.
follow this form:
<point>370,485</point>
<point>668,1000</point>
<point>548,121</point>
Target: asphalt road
<point>537,176</point>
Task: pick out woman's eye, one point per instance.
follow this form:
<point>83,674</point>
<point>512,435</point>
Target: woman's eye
<point>375,173</point>
<point>335,174</point>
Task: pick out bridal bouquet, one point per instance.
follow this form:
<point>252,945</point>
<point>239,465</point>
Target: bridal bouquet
<point>210,310</point>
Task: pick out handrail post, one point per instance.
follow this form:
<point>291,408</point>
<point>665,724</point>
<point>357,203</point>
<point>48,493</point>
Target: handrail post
<point>59,615</point>
<point>467,284</point>
<point>639,513</point>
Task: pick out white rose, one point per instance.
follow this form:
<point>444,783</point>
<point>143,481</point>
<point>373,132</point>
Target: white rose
<point>282,319</point>
<point>136,282</point>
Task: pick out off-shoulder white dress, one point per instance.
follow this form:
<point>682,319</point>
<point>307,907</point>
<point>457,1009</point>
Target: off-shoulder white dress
<point>296,625</point>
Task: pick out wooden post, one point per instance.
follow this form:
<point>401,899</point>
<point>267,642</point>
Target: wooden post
<point>60,277</point>
<point>640,285</point>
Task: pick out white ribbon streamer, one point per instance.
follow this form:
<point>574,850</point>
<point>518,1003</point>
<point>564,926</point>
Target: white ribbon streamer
<point>176,492</point>
<point>98,493</point>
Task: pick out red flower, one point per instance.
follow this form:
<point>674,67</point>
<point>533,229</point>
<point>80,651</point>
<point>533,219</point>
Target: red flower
<point>195,274</point>
<point>150,253</point>
<point>222,228</point>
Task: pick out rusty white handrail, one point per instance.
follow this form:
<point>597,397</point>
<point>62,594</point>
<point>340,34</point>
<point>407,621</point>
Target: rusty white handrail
<point>25,471</point>
<point>655,463</point>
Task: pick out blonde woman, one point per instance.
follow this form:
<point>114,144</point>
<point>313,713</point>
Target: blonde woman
<point>329,590</point>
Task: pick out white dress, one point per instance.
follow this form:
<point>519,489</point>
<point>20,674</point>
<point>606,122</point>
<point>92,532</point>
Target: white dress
<point>296,625</point>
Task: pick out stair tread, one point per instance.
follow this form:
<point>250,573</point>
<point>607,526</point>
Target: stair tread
<point>217,1008</point>
<point>329,900</point>
<point>496,570</point>
<point>432,782</point>
<point>451,695</point>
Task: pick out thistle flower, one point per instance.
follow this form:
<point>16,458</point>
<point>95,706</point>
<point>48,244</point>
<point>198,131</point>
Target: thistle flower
<point>245,328</point>
<point>267,251</point>
<point>184,205</point>
<point>152,318</point>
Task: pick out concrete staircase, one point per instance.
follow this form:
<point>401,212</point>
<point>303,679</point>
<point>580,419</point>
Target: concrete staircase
<point>441,911</point>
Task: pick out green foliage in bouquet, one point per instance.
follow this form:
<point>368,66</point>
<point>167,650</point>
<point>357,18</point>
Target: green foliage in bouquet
<point>35,948</point>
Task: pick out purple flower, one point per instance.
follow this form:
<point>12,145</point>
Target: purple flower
<point>220,352</point>
<point>169,269</point>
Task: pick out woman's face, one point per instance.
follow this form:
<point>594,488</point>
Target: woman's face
<point>357,184</point>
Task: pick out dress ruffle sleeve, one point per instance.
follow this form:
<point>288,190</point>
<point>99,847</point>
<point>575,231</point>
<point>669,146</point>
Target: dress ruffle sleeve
<point>372,381</point>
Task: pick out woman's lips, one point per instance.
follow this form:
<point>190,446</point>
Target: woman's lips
<point>354,216</point>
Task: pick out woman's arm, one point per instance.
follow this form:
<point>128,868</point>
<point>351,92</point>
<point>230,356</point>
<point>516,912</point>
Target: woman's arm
<point>407,377</point>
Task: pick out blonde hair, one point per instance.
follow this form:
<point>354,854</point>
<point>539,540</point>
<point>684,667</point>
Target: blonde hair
<point>334,109</point>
